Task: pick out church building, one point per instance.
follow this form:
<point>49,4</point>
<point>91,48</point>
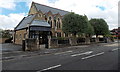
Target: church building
<point>41,21</point>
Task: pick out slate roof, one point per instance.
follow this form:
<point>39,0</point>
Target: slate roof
<point>29,21</point>
<point>24,22</point>
<point>40,23</point>
<point>46,9</point>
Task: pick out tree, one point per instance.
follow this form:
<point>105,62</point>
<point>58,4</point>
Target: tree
<point>75,24</point>
<point>100,27</point>
<point>5,34</point>
<point>89,30</point>
<point>70,23</point>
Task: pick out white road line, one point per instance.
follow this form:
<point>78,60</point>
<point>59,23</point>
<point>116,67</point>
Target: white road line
<point>114,49</point>
<point>93,55</point>
<point>63,52</point>
<point>50,68</point>
<point>89,52</point>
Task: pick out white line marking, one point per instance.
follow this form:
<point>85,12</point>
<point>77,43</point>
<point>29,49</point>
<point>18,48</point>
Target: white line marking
<point>89,52</point>
<point>93,55</point>
<point>63,52</point>
<point>50,68</point>
<point>114,49</point>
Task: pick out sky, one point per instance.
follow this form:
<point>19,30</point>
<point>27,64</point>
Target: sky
<point>13,11</point>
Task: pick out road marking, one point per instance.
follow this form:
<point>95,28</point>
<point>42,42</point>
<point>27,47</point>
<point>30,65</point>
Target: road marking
<point>93,55</point>
<point>50,68</point>
<point>89,52</point>
<point>114,49</point>
<point>111,44</point>
<point>63,52</point>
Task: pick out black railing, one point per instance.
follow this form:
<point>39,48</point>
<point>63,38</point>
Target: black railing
<point>80,40</point>
<point>63,41</point>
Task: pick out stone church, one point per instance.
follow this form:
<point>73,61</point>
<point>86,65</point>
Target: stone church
<point>41,21</point>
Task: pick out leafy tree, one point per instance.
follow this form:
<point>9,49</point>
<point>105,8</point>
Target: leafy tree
<point>70,23</point>
<point>5,34</point>
<point>89,28</point>
<point>100,26</point>
<point>76,24</point>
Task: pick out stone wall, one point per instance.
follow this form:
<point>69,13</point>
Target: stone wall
<point>19,36</point>
<point>31,44</point>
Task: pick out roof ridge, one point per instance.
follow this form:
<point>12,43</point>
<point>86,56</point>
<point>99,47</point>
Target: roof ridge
<point>50,6</point>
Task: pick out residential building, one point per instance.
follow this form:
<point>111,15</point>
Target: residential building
<point>115,32</point>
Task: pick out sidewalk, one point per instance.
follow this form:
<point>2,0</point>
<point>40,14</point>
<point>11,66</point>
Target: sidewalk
<point>8,47</point>
<point>19,54</point>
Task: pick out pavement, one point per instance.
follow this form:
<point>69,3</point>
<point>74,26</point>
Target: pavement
<point>8,47</point>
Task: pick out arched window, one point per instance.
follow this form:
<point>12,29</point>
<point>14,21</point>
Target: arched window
<point>45,17</point>
<point>20,36</point>
<point>55,22</point>
<point>50,21</point>
<point>50,18</point>
<point>58,23</point>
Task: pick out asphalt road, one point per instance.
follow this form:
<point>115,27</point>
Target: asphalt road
<point>95,57</point>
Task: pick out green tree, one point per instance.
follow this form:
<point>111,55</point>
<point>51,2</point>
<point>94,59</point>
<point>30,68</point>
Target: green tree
<point>89,30</point>
<point>76,24</point>
<point>100,27</point>
<point>89,27</point>
<point>5,34</point>
<point>70,23</point>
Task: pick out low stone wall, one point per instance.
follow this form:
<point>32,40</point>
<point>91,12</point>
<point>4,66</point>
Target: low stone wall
<point>31,45</point>
<point>54,42</point>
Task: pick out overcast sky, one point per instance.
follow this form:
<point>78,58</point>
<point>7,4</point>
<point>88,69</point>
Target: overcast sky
<point>12,11</point>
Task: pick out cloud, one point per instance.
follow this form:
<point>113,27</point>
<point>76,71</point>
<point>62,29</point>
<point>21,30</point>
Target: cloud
<point>10,21</point>
<point>8,4</point>
<point>88,7</point>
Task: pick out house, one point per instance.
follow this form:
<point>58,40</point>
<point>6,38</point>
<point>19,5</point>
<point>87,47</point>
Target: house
<point>41,21</point>
<point>115,32</point>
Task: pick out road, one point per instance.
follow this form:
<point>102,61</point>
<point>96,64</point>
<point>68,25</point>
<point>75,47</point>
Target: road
<point>93,57</point>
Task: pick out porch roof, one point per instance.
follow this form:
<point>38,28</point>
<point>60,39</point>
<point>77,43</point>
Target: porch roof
<point>29,21</point>
<point>40,23</point>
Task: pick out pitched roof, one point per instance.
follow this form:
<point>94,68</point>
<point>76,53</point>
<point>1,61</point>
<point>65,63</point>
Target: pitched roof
<point>46,9</point>
<point>29,21</point>
<point>24,22</point>
<point>39,23</point>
